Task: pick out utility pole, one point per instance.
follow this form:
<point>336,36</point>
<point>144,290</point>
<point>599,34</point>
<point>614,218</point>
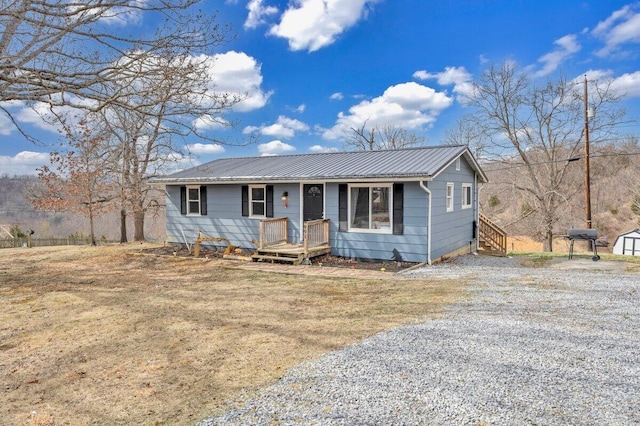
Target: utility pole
<point>587,180</point>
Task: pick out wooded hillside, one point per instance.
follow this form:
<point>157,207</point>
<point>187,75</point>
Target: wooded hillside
<point>17,210</point>
<point>615,187</point>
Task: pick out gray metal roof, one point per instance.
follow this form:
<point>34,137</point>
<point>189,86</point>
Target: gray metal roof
<point>412,163</point>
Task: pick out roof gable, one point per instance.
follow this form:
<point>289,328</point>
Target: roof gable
<point>411,163</point>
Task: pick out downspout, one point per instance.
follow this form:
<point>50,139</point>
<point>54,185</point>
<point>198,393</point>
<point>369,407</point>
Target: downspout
<point>428,191</point>
<point>477,203</point>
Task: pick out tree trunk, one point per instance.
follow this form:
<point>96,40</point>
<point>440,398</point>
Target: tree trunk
<point>547,246</point>
<point>92,234</point>
<point>123,226</point>
<point>138,224</point>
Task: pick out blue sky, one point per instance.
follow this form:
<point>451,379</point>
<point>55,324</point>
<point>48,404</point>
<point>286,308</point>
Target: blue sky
<point>312,69</point>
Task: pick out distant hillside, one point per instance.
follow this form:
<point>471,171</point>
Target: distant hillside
<point>615,183</point>
<point>16,209</point>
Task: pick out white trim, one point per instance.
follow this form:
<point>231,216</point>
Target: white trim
<point>469,202</point>
<point>264,201</point>
<point>189,200</point>
<point>371,230</point>
<point>449,199</point>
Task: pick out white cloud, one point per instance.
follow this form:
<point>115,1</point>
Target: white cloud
<point>628,85</point>
<point>23,163</point>
<point>407,105</point>
<point>239,74</point>
<point>205,148</point>
<point>313,24</point>
<point>207,122</point>
<point>566,47</point>
<point>284,127</point>
<point>114,15</point>
<point>274,148</point>
<point>459,77</point>
<point>623,26</point>
<point>336,96</point>
<point>301,108</point>
<point>321,149</point>
<point>257,13</point>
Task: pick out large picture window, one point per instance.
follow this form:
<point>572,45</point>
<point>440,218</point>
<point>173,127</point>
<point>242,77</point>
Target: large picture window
<point>370,208</point>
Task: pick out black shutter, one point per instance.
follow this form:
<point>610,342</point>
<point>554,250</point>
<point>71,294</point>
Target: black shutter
<point>183,200</point>
<point>269,199</point>
<point>398,208</point>
<point>343,207</point>
<point>245,200</point>
<point>203,200</point>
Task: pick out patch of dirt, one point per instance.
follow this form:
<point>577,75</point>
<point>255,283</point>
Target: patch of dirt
<point>325,260</point>
<point>372,265</point>
<point>127,334</point>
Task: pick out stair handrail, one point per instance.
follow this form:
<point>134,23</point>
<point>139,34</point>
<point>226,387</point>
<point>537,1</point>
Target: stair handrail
<point>493,234</point>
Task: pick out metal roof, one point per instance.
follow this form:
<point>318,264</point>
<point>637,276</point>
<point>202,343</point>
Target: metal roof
<point>412,163</point>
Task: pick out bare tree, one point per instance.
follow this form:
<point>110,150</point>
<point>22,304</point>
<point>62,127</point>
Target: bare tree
<point>366,138</point>
<point>142,139</point>
<point>67,53</point>
<point>533,129</point>
<point>79,181</point>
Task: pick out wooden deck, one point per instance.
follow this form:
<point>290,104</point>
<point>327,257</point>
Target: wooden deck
<point>289,252</point>
<point>274,247</point>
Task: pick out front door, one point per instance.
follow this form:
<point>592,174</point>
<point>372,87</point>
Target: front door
<point>313,201</point>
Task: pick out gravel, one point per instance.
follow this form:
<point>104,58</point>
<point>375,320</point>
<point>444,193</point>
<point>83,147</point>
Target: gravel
<point>534,346</point>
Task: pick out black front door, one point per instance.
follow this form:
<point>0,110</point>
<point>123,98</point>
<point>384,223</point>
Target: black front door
<point>313,200</point>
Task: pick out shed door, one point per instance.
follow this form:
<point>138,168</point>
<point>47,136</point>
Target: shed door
<point>313,201</point>
<point>631,246</point>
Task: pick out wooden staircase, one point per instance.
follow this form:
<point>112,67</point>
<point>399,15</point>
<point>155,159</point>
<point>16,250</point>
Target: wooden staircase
<point>492,238</point>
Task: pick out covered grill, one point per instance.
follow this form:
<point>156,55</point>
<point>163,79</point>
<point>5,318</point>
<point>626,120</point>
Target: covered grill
<point>584,234</point>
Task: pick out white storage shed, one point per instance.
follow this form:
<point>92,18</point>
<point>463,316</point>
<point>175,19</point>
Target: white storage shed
<point>628,243</point>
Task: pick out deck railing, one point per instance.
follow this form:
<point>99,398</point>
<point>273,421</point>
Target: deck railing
<point>493,234</point>
<point>273,231</point>
<point>316,233</point>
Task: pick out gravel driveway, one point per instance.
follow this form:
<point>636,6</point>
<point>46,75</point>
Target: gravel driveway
<point>541,346</point>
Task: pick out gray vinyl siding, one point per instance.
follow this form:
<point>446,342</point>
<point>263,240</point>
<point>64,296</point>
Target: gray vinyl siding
<point>452,230</point>
<point>224,215</point>
<point>412,245</point>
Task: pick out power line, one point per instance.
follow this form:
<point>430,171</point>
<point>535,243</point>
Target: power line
<point>542,163</point>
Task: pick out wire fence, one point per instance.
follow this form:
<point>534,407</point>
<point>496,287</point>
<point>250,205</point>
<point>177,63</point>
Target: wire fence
<point>46,242</point>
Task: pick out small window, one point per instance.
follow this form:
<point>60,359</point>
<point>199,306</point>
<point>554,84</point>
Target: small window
<point>257,200</point>
<point>193,200</point>
<point>458,164</point>
<point>466,195</point>
<point>449,197</point>
<point>370,208</point>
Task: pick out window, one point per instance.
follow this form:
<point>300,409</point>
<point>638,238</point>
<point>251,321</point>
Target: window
<point>449,197</point>
<point>370,208</point>
<point>257,200</point>
<point>193,200</point>
<point>458,164</point>
<point>466,195</point>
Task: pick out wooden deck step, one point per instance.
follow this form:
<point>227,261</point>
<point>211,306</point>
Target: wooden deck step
<point>295,260</point>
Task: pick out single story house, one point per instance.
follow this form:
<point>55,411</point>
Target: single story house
<point>628,243</point>
<point>414,205</point>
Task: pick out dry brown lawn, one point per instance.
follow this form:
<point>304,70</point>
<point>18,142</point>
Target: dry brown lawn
<point>107,336</point>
